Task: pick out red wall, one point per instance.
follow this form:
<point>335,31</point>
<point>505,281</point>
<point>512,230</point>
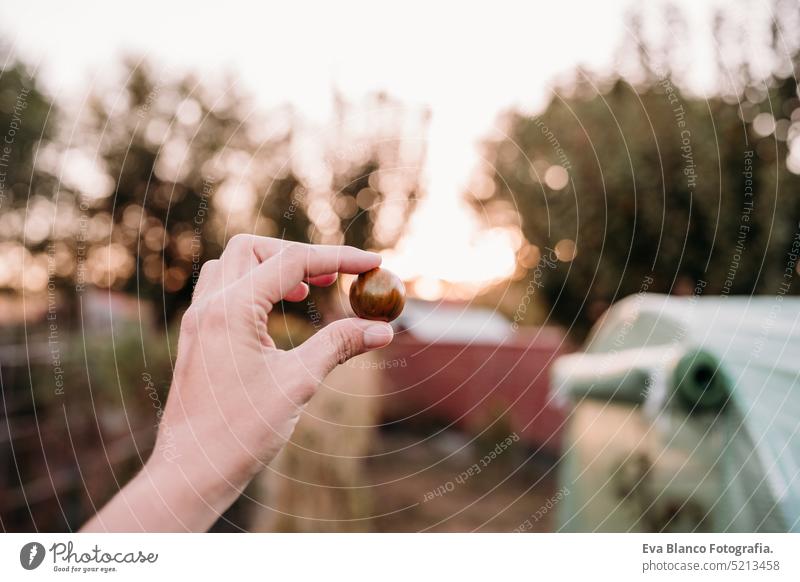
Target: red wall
<point>473,385</point>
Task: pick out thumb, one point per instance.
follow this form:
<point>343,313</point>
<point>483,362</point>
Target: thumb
<point>341,340</point>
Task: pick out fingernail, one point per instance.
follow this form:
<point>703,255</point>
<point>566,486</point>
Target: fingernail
<point>377,335</point>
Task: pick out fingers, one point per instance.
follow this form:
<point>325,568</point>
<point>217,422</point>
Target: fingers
<point>245,251</point>
<point>242,254</point>
<point>323,280</point>
<point>339,341</point>
<point>298,293</point>
<point>259,247</point>
<point>277,276</point>
<point>206,279</point>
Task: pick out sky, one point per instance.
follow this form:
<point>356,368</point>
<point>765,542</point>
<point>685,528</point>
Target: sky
<point>467,62</point>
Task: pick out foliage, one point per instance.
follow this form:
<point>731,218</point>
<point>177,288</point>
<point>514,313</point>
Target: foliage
<point>665,192</point>
<point>153,178</point>
<point>26,118</point>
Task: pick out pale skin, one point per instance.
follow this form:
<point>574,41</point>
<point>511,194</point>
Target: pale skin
<point>235,398</point>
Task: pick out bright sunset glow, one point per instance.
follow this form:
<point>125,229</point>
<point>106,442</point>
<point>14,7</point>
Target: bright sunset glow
<point>445,241</point>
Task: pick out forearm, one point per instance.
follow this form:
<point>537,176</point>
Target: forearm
<point>235,398</point>
<point>164,498</point>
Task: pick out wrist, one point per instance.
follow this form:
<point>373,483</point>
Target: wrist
<point>190,499</point>
<point>215,473</point>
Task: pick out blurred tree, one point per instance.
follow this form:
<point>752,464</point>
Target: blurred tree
<point>172,147</point>
<point>27,117</point>
<point>24,113</point>
<point>192,166</point>
<point>377,184</point>
<point>647,181</point>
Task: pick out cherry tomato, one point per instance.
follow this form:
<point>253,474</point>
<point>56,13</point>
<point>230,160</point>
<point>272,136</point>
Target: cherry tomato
<point>378,294</point>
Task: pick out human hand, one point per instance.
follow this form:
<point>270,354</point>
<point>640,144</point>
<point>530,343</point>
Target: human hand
<point>235,398</point>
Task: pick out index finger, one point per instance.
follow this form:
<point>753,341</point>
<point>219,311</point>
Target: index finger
<point>281,273</point>
<point>243,247</point>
